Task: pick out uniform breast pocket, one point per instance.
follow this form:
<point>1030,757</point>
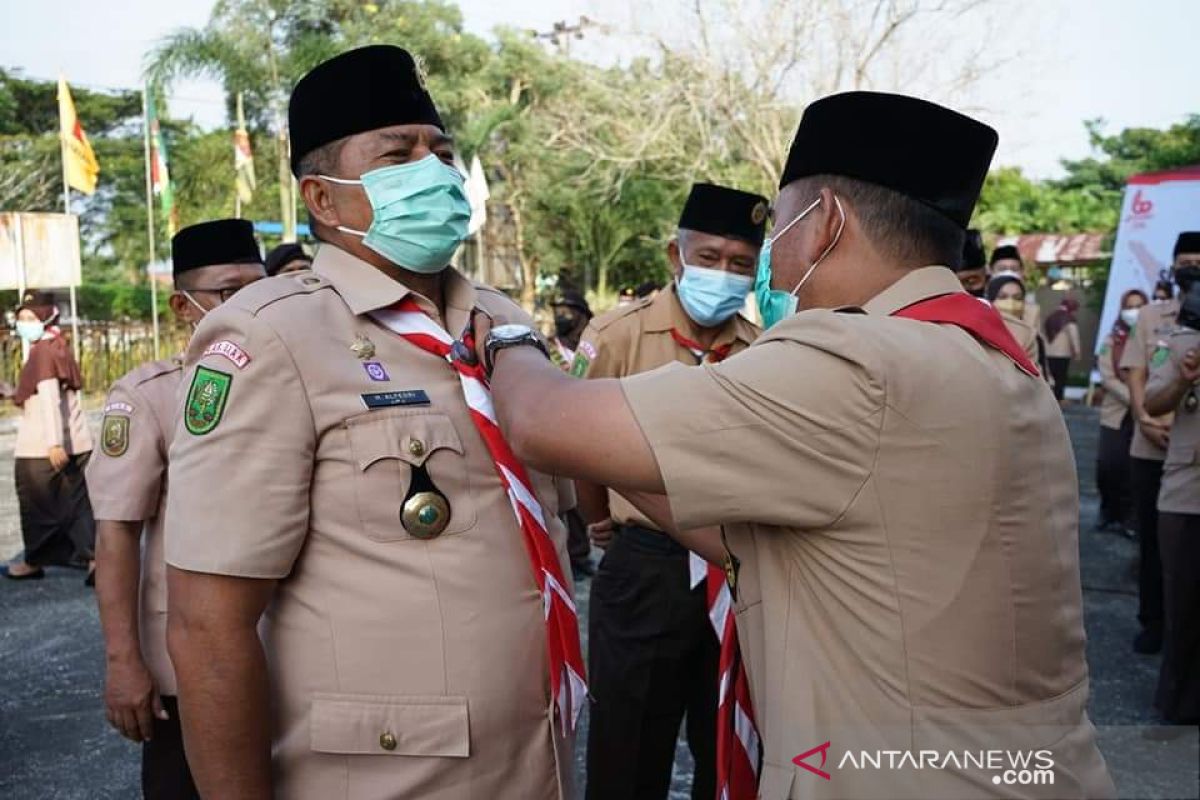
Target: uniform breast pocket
<point>387,448</point>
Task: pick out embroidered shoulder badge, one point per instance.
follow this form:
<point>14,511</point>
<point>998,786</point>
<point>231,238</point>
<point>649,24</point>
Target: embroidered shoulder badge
<point>114,435</point>
<point>206,400</point>
<point>583,359</point>
<point>239,357</point>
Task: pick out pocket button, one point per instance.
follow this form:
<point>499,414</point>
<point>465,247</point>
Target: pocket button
<point>387,740</point>
<point>416,447</point>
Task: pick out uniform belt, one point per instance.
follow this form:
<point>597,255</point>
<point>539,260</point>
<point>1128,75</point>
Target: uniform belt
<point>648,540</point>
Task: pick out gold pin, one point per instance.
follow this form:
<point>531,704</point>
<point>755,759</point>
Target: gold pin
<point>425,515</point>
<point>363,347</point>
<point>758,214</point>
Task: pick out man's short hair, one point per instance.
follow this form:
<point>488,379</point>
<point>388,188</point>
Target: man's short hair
<point>320,161</point>
<point>907,230</point>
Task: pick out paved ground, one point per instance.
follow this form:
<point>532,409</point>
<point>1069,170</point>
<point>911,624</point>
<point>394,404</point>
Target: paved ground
<point>54,742</point>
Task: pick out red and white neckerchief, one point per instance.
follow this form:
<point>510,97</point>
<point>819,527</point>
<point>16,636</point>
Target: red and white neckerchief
<point>568,688</point>
<point>739,748</point>
<point>719,353</point>
<point>978,319</point>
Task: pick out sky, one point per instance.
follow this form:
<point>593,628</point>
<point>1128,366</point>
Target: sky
<point>1130,63</point>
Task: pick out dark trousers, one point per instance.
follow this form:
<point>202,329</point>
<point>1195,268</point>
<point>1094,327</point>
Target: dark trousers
<point>56,514</point>
<point>579,547</point>
<point>1113,473</point>
<point>1059,370</point>
<point>652,657</point>
<point>165,772</point>
<point>1146,475</point>
<point>1178,696</point>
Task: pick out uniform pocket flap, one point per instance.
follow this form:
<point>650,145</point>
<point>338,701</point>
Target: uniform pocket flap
<point>408,437</point>
<point>390,725</point>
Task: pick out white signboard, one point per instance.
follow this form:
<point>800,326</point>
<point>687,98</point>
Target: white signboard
<point>39,251</point>
<point>1157,206</point>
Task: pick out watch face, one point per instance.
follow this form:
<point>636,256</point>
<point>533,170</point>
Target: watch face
<point>510,331</point>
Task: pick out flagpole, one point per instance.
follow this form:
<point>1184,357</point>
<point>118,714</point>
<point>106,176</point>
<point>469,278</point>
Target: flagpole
<point>62,151</point>
<point>150,223</point>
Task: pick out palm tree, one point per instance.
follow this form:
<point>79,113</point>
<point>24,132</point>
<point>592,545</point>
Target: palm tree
<point>256,48</point>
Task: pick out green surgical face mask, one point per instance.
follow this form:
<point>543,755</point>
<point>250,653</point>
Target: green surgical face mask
<point>420,213</point>
<point>775,304</point>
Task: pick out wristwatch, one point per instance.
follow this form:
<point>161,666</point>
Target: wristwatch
<point>503,336</point>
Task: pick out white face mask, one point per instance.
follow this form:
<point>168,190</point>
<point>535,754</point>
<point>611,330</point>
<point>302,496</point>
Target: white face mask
<point>192,300</point>
<point>1130,316</point>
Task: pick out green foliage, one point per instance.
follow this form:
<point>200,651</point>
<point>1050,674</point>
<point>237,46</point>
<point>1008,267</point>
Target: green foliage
<point>588,165</point>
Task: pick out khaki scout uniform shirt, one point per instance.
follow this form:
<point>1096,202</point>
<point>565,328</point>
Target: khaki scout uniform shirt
<point>637,338</point>
<point>127,482</point>
<point>1180,493</point>
<point>1115,405</point>
<point>1026,336</point>
<point>52,417</point>
<point>883,602</point>
<point>399,667</point>
<point>1155,323</point>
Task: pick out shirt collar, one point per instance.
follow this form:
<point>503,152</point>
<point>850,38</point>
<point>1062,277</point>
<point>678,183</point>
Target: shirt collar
<point>364,288</point>
<point>666,312</point>
<point>917,285</point>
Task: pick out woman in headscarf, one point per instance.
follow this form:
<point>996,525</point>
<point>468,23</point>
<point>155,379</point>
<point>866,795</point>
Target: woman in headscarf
<point>53,446</point>
<point>1116,423</point>
<point>1062,343</point>
<point>1006,292</point>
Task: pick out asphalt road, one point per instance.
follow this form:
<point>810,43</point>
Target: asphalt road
<point>55,743</point>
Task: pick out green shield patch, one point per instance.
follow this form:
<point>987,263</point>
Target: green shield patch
<point>114,436</point>
<point>1160,357</point>
<point>206,400</point>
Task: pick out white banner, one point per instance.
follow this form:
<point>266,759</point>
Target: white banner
<point>1156,207</point>
<point>39,251</point>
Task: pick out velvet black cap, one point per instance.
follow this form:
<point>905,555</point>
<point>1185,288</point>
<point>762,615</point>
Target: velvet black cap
<point>1005,251</point>
<point>726,212</point>
<point>220,241</point>
<point>573,298</point>
<point>917,148</point>
<point>1188,242</point>
<point>360,90</point>
<point>283,254</point>
<point>974,256</point>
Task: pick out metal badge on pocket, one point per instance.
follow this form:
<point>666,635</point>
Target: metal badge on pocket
<point>425,512</point>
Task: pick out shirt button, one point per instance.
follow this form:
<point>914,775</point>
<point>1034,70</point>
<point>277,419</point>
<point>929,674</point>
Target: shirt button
<point>387,740</point>
<point>416,447</point>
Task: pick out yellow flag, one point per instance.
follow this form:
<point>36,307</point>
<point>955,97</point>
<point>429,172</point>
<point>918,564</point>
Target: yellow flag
<point>79,162</point>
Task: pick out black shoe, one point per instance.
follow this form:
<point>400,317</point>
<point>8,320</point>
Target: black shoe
<point>1148,642</point>
<point>36,575</point>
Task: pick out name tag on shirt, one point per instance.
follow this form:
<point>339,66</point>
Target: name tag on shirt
<point>407,397</point>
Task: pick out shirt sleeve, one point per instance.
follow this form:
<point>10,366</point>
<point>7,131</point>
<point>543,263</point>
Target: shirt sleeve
<point>598,356</point>
<point>1108,376</point>
<point>125,474</point>
<point>50,407</point>
<point>784,434</point>
<point>1073,332</point>
<point>1135,347</point>
<point>241,462</point>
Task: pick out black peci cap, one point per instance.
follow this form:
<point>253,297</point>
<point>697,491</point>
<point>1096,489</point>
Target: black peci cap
<point>1005,252</point>
<point>974,256</point>
<point>282,255</point>
<point>917,148</point>
<point>359,90</point>
<point>726,212</point>
<point>220,241</point>
<point>1188,242</point>
<point>573,299</point>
